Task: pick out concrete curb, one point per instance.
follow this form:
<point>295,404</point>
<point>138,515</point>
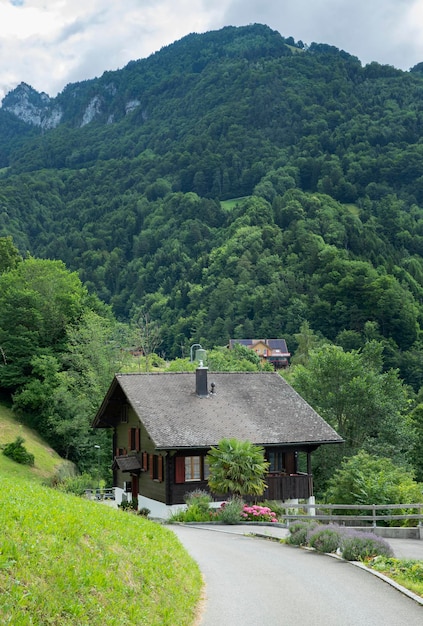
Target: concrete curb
<point>388,580</point>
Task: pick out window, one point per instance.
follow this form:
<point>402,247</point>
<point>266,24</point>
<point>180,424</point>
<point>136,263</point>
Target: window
<point>276,462</point>
<point>190,469</point>
<point>124,414</point>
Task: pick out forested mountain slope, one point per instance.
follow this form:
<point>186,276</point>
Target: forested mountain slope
<point>124,177</point>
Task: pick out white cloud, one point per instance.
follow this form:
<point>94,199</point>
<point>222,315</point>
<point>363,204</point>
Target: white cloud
<point>48,44</point>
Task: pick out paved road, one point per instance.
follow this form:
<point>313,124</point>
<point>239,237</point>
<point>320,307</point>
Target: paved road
<point>252,581</point>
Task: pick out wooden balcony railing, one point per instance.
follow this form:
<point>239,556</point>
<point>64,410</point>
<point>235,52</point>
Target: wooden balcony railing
<point>288,487</point>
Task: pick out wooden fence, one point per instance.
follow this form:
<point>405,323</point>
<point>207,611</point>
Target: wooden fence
<point>371,514</point>
<point>100,494</point>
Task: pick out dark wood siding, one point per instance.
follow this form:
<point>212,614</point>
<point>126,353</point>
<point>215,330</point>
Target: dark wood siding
<point>150,487</point>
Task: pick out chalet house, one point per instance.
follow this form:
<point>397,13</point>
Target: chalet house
<point>164,424</point>
<point>272,351</point>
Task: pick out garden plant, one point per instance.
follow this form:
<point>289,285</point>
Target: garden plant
<point>352,545</point>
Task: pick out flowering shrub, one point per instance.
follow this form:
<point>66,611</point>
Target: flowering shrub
<point>200,499</point>
<point>230,511</point>
<point>233,511</point>
<point>353,545</point>
<point>299,532</point>
<point>325,538</point>
<point>257,513</point>
<point>357,546</point>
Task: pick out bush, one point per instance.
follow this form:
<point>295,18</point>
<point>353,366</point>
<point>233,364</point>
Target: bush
<point>358,546</point>
<point>129,505</point>
<point>198,508</point>
<point>230,511</point>
<point>200,499</point>
<point>144,511</point>
<point>18,453</point>
<point>257,513</point>
<point>193,513</point>
<point>275,506</point>
<point>299,532</point>
<point>366,479</point>
<point>325,539</point>
<point>74,484</point>
<point>354,545</point>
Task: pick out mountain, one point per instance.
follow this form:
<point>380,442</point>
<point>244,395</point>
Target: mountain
<point>234,184</point>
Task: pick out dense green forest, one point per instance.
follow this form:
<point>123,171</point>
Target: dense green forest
<point>234,184</point>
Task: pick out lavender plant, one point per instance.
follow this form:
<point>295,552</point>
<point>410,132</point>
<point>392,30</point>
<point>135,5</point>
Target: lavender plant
<point>358,546</point>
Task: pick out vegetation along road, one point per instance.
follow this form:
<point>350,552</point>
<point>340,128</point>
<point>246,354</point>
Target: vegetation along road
<point>251,581</point>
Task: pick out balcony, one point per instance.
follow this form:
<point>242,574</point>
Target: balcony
<point>288,487</point>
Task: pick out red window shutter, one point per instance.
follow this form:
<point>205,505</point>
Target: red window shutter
<point>160,469</point>
<point>145,461</point>
<point>151,464</point>
<point>179,469</point>
<point>138,440</point>
<point>129,438</point>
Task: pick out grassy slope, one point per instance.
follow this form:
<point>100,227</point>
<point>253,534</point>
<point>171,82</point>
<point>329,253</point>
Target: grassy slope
<point>66,561</point>
<point>46,460</point>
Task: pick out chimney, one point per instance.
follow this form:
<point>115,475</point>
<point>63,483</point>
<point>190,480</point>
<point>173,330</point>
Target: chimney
<point>201,381</point>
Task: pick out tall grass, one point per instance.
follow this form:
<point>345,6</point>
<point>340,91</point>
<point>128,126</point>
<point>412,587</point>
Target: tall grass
<point>67,561</point>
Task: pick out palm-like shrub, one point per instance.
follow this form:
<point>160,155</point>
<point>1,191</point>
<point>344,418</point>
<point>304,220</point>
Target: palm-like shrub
<point>237,467</point>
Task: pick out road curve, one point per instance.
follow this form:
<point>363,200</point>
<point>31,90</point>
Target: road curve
<point>252,581</point>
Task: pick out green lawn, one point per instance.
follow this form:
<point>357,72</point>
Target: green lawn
<point>66,561</point>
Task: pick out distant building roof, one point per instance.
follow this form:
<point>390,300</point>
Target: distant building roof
<point>259,407</point>
<point>273,344</point>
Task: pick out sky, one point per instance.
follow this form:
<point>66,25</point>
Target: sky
<point>50,43</point>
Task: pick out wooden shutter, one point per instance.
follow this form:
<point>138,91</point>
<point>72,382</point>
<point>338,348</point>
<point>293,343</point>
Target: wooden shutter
<point>160,469</point>
<point>129,438</point>
<point>151,464</point>
<point>145,461</point>
<point>138,440</point>
<point>179,469</point>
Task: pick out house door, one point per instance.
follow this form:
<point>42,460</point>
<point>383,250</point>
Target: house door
<point>134,483</point>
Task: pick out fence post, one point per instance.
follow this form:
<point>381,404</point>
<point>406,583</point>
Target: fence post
<point>374,524</point>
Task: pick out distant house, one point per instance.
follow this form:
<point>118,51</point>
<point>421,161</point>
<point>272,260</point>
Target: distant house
<point>164,424</point>
<point>274,351</point>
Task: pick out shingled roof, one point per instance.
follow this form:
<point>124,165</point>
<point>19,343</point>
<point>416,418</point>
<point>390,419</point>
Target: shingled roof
<point>127,463</point>
<point>258,407</point>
